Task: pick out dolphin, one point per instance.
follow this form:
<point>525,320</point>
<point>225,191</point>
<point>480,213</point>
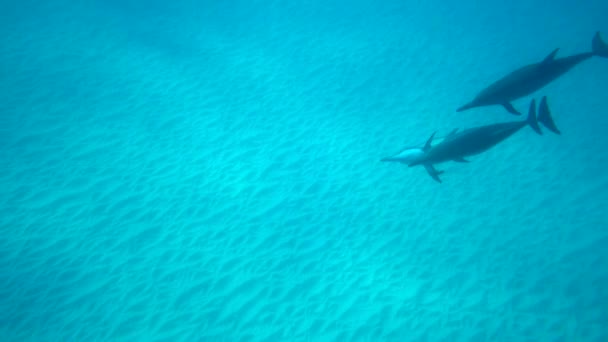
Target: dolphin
<point>456,146</point>
<point>530,78</point>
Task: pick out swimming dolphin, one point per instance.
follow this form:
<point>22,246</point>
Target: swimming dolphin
<point>530,78</point>
<point>458,145</point>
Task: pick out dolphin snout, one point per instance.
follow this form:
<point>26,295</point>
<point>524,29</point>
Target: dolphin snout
<point>466,106</point>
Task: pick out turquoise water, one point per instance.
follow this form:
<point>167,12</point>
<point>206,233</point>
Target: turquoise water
<point>209,171</point>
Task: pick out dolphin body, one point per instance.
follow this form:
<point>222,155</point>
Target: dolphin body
<point>456,146</point>
<point>530,78</point>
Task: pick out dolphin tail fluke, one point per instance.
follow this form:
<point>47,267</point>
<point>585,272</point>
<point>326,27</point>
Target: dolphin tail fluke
<point>430,169</point>
<point>599,47</point>
<point>531,120</point>
<point>544,116</point>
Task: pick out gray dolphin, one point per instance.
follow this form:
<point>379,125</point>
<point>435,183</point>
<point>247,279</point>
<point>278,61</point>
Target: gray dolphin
<point>458,145</point>
<point>530,78</point>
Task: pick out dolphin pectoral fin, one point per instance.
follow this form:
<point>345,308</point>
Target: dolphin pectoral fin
<point>550,57</point>
<point>461,160</point>
<point>430,169</point>
<point>509,107</point>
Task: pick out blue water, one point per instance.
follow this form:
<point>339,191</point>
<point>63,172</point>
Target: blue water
<point>209,171</point>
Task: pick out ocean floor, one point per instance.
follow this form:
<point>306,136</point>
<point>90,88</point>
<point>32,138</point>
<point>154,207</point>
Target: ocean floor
<point>210,171</point>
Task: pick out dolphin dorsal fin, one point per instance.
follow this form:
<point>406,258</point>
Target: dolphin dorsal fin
<point>427,146</point>
<point>550,57</point>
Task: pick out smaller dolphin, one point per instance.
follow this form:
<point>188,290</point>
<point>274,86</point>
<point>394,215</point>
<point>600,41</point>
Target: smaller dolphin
<point>458,145</point>
<point>410,154</point>
<point>530,78</point>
